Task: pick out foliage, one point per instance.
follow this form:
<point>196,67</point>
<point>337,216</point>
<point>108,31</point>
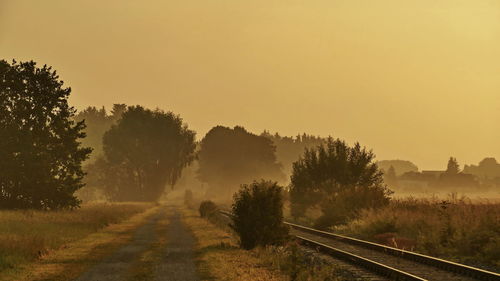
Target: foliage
<point>301,264</point>
<point>40,153</point>
<point>143,152</point>
<point>400,166</point>
<point>341,180</point>
<point>188,198</point>
<point>289,149</point>
<point>453,167</point>
<point>488,172</point>
<point>258,215</point>
<point>208,209</point>
<point>97,122</point>
<point>390,177</point>
<point>228,157</point>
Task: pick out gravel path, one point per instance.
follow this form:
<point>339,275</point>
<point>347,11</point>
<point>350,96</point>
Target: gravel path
<point>177,261</point>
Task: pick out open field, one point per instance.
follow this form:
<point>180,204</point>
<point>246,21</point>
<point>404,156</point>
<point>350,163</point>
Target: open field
<point>28,236</point>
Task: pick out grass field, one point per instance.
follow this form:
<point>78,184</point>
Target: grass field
<point>27,236</point>
<point>457,229</point>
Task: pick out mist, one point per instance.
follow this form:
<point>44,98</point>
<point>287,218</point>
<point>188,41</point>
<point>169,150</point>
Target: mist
<point>415,81</point>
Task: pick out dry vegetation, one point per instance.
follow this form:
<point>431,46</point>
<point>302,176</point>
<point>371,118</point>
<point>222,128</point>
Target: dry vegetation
<point>36,236</point>
<point>221,258</point>
<point>456,229</point>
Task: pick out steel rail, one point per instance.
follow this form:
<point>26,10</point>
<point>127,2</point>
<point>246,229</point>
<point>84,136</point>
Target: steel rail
<point>385,270</point>
<point>420,258</point>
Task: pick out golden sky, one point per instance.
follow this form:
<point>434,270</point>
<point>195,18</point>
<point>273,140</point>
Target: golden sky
<point>416,80</point>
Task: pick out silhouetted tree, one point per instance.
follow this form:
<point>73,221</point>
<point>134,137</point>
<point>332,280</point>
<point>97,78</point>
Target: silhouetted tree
<point>454,178</point>
<point>40,152</point>
<point>453,167</point>
<point>488,168</point>
<point>400,166</point>
<point>97,122</point>
<point>289,149</point>
<point>390,177</point>
<point>339,179</point>
<point>145,151</point>
<point>229,157</point>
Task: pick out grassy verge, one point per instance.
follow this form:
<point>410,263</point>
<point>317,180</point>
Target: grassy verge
<point>35,245</point>
<point>220,258</point>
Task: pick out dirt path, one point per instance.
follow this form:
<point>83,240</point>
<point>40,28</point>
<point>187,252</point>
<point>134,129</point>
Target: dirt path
<point>176,261</point>
<point>178,258</point>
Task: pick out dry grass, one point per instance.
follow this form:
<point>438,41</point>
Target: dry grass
<point>37,243</point>
<point>456,229</point>
<point>220,258</point>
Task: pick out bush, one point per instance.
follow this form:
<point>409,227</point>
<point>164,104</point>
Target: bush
<point>188,198</point>
<point>258,215</point>
<point>208,209</point>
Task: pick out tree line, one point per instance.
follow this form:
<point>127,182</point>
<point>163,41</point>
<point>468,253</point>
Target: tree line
<point>46,146</point>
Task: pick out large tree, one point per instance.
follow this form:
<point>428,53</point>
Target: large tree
<point>230,157</point>
<point>338,179</point>
<point>145,151</point>
<point>40,151</point>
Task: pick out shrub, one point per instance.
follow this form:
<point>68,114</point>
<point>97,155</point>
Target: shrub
<point>258,215</point>
<point>208,209</point>
<point>188,198</point>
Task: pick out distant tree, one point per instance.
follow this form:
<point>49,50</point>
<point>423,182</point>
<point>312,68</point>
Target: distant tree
<point>258,215</point>
<point>40,151</point>
<point>289,149</point>
<point>390,177</point>
<point>339,179</point>
<point>400,166</point>
<point>455,179</point>
<point>229,157</point>
<point>145,151</point>
<point>97,122</point>
<point>488,168</point>
<point>453,167</point>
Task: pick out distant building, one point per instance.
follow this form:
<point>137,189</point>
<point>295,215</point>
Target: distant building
<point>435,174</point>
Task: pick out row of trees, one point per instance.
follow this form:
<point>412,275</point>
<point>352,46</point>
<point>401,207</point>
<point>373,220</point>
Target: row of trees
<point>137,151</point>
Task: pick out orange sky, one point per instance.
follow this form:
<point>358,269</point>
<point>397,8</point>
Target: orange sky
<point>415,80</point>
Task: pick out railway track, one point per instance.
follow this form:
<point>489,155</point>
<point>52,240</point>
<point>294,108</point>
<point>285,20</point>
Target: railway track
<point>386,261</point>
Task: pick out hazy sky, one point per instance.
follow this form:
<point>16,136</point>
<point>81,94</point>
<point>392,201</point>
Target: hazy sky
<point>414,79</point>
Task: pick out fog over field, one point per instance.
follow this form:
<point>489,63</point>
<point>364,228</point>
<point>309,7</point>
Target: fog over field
<point>249,140</point>
<point>416,81</point>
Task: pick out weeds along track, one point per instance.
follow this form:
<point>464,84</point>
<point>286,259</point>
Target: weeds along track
<point>390,262</point>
